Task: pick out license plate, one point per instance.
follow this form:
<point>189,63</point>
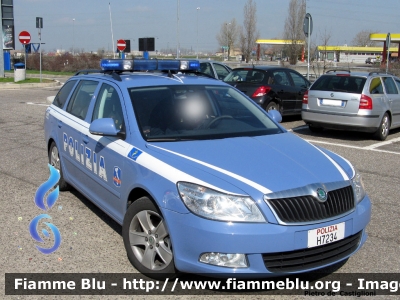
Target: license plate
<point>329,102</point>
<point>325,235</point>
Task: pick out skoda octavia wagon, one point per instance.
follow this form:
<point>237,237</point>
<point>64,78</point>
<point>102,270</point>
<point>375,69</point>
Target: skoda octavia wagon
<point>368,102</point>
<point>183,163</point>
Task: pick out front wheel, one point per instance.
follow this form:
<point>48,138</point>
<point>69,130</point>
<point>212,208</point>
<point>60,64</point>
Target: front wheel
<point>383,129</point>
<point>147,241</point>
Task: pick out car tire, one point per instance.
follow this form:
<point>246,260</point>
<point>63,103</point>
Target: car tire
<point>314,128</point>
<point>272,106</point>
<point>383,129</point>
<point>147,241</point>
<point>54,160</point>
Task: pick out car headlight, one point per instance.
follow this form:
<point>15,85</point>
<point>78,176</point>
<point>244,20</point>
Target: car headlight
<point>214,205</point>
<point>358,186</point>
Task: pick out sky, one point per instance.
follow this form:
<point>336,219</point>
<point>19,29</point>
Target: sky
<point>86,24</point>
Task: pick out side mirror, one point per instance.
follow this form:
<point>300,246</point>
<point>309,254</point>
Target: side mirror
<point>275,115</point>
<point>105,126</point>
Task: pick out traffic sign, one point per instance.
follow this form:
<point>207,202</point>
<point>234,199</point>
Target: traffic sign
<point>307,25</point>
<point>24,37</point>
<point>121,45</point>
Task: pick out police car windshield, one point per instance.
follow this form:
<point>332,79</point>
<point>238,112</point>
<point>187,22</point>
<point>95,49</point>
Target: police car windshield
<point>190,112</point>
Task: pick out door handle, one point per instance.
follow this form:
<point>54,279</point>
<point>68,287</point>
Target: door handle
<point>85,139</point>
<point>59,124</point>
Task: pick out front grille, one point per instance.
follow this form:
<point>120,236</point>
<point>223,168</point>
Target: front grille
<point>301,260</point>
<point>308,209</point>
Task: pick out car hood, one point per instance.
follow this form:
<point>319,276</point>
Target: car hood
<point>265,163</point>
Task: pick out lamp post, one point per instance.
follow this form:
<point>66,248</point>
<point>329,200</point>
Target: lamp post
<point>73,36</point>
<point>177,31</point>
<point>227,37</point>
<point>197,43</point>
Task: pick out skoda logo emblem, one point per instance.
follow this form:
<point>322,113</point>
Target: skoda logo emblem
<point>332,95</point>
<point>322,195</point>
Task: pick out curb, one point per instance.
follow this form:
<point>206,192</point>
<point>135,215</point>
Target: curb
<point>16,86</point>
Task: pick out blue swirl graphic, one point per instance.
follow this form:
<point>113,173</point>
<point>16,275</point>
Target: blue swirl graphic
<point>46,187</point>
<point>34,233</point>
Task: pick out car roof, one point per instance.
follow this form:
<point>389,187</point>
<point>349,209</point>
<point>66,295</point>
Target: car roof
<point>142,79</point>
<point>263,68</point>
<point>356,73</point>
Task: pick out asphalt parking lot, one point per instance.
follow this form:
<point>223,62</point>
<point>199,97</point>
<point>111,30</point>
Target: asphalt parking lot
<point>92,241</point>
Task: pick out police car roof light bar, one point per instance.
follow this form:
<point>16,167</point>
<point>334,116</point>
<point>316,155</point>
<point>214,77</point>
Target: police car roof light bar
<point>120,65</point>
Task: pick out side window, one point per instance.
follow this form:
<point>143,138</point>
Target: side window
<point>281,78</point>
<point>221,71</point>
<point>390,86</point>
<point>108,105</point>
<point>298,80</point>
<point>237,75</point>
<point>63,94</point>
<point>397,83</point>
<point>206,69</point>
<point>376,86</point>
<point>80,101</point>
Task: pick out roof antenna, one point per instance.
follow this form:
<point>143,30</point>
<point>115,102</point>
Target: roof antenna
<point>169,74</point>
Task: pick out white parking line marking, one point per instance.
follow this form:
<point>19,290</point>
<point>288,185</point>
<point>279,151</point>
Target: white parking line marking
<point>335,144</point>
<point>31,103</point>
<point>355,147</point>
<point>384,151</point>
<point>373,146</point>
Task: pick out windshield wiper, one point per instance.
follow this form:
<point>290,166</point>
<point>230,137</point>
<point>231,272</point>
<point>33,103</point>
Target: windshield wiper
<point>162,139</point>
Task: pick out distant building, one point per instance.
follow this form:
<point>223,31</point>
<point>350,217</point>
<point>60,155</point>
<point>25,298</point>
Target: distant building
<point>350,54</point>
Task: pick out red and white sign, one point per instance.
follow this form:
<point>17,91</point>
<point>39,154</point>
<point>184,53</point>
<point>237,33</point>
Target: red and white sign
<point>24,37</point>
<point>121,45</point>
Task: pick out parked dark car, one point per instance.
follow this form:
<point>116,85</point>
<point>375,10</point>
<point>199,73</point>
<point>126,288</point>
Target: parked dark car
<point>215,69</point>
<point>271,87</point>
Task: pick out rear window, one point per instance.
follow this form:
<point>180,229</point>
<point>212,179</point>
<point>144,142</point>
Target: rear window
<point>247,75</point>
<point>346,84</point>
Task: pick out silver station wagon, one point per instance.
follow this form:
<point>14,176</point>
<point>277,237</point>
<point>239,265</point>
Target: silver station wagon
<point>359,101</point>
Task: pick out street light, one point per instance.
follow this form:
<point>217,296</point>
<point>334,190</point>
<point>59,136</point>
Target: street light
<point>177,30</point>
<point>73,36</point>
<point>197,46</point>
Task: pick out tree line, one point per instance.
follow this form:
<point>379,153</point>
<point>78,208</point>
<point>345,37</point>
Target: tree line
<point>243,37</point>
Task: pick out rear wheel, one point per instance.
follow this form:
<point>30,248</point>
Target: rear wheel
<point>314,128</point>
<point>383,130</point>
<point>54,160</point>
<point>272,106</point>
<point>147,241</point>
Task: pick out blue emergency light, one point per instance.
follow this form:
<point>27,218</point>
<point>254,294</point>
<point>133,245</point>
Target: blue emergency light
<point>120,65</point>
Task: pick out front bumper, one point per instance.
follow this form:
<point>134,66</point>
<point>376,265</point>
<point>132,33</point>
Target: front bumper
<point>191,236</point>
<point>363,123</point>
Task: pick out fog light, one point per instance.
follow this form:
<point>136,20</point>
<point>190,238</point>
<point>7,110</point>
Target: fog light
<point>224,259</point>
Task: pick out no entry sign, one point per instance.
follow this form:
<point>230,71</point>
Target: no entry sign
<point>121,45</point>
<point>24,37</point>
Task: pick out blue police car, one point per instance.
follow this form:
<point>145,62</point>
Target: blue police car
<point>200,177</point>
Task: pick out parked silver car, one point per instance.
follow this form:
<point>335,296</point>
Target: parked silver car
<point>359,101</point>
